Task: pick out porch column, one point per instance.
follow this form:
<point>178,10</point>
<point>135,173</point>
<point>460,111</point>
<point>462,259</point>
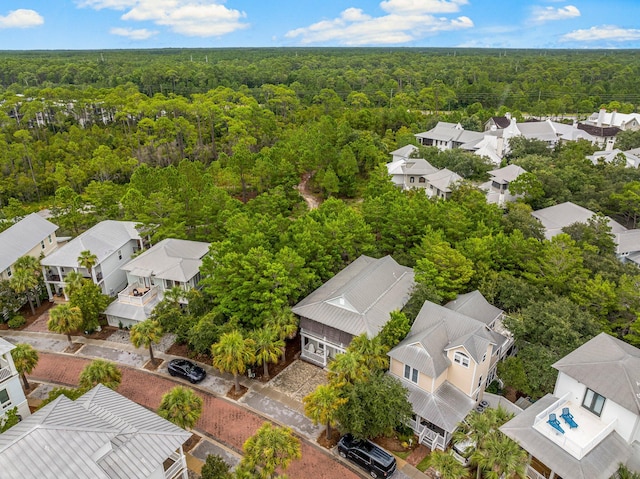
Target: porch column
<point>46,282</point>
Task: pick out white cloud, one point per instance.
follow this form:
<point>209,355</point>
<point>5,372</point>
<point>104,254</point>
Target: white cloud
<point>546,14</point>
<point>605,32</point>
<point>418,7</point>
<point>198,18</point>
<point>21,18</point>
<point>140,34</point>
<point>406,21</point>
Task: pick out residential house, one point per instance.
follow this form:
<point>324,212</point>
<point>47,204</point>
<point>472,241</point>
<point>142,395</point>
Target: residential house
<point>497,122</point>
<point>171,262</point>
<point>556,217</point>
<point>628,246</point>
<point>11,393</point>
<point>605,136</point>
<point>445,362</point>
<point>446,136</point>
<point>441,183</point>
<point>358,300</point>
<point>112,242</point>
<point>101,435</point>
<point>623,121</point>
<point>403,153</point>
<point>410,173</point>
<point>497,188</point>
<point>31,236</point>
<point>599,385</point>
<point>630,158</point>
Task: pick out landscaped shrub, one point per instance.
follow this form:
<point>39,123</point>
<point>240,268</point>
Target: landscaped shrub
<point>16,321</point>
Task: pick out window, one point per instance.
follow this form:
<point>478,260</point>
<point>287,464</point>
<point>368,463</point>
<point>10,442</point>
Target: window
<point>422,180</point>
<point>9,272</point>
<point>119,254</point>
<point>412,179</point>
<point>5,402</point>
<point>593,402</point>
<point>411,373</point>
<point>42,244</point>
<point>50,240</point>
<point>480,381</point>
<point>484,356</point>
<point>461,359</point>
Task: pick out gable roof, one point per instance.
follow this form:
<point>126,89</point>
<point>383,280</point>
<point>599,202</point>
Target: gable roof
<point>418,167</point>
<point>571,132</point>
<point>5,346</point>
<point>556,217</point>
<point>100,435</point>
<point>444,179</point>
<point>613,118</point>
<point>20,238</point>
<point>405,151</point>
<point>445,131</point>
<point>475,306</point>
<point>500,121</point>
<point>360,297</point>
<point>437,329</point>
<point>173,259</point>
<point>507,174</point>
<point>608,366</point>
<point>599,131</point>
<point>628,241</point>
<point>600,463</point>
<point>631,157</point>
<point>102,240</point>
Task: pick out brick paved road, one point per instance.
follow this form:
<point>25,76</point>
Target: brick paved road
<point>224,420</point>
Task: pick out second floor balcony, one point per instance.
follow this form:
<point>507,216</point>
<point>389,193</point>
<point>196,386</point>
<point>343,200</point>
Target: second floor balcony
<point>137,294</point>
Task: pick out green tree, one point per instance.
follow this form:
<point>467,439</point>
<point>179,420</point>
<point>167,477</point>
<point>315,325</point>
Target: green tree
<point>73,282</point>
<point>348,367</point>
<point>100,371</point>
<point>446,466</point>
<point>501,457</point>
<point>232,354</point>
<point>285,324</point>
<point>270,448</point>
<point>375,406</point>
<point>26,279</point>
<point>512,372</point>
<point>215,467</point>
<point>372,350</point>
<point>322,405</point>
<point>268,348</point>
<point>25,358</point>
<point>65,319</point>
<point>146,333</point>
<point>394,330</point>
<point>87,260</point>
<point>10,419</point>
<point>91,302</point>
<point>181,406</point>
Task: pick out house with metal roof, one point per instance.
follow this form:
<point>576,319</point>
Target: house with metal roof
<point>441,183</point>
<point>446,136</point>
<point>497,188</point>
<point>445,362</point>
<point>31,236</point>
<point>170,263</point>
<point>101,435</point>
<point>623,121</point>
<point>358,300</point>
<point>11,392</point>
<point>630,158</point>
<point>598,384</point>
<point>112,242</point>
<point>403,153</point>
<point>410,173</point>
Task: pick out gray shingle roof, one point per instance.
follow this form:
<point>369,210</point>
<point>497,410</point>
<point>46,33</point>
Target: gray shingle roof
<point>608,366</point>
<point>174,259</point>
<point>360,297</point>
<point>20,238</point>
<point>102,240</point>
<point>600,463</point>
<point>556,217</point>
<point>475,306</point>
<point>101,435</point>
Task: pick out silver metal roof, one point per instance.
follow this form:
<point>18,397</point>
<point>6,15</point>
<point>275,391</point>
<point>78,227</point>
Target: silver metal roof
<point>475,306</point>
<point>133,312</point>
<point>20,238</point>
<point>5,346</point>
<point>360,297</point>
<point>506,174</point>
<point>608,366</point>
<point>628,241</point>
<point>556,217</point>
<point>174,259</point>
<point>405,151</point>
<point>600,463</point>
<point>102,240</point>
<point>444,179</point>
<point>100,435</point>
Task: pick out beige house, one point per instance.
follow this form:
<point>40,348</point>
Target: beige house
<point>445,362</point>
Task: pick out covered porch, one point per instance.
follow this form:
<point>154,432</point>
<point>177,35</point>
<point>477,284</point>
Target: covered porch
<point>318,351</point>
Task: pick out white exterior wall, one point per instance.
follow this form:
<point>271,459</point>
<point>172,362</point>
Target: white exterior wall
<point>114,279</point>
<point>14,388</point>
<point>627,424</point>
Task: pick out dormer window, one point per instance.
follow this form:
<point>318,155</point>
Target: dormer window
<point>484,356</point>
<point>461,359</point>
<point>411,373</point>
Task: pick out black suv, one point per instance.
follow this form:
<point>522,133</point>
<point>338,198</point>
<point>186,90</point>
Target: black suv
<point>375,460</point>
<point>187,370</point>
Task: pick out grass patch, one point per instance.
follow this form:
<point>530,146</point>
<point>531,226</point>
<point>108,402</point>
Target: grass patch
<point>402,454</point>
<point>423,465</point>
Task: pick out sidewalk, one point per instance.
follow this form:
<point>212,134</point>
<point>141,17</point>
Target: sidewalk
<point>261,400</point>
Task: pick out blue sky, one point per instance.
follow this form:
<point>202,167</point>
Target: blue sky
<point>105,24</point>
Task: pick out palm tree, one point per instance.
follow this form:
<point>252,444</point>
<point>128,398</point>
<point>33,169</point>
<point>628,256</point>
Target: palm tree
<point>25,358</point>
<point>174,296</point>
<point>268,348</point>
<point>446,466</point>
<point>73,282</point>
<point>181,406</point>
<point>348,367</point>
<point>269,448</point>
<point>87,260</point>
<point>232,353</point>
<point>65,319</point>
<point>100,371</point>
<point>285,323</point>
<point>322,405</point>
<point>501,457</point>
<point>373,350</point>
<point>26,278</point>
<point>146,333</point>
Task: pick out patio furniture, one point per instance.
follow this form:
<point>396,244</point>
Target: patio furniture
<point>568,418</point>
<point>554,423</point>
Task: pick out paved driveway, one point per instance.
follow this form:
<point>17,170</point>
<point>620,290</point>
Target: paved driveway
<point>225,421</point>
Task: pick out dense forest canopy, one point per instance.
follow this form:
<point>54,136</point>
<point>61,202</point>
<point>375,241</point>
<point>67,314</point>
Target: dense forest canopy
<point>210,145</point>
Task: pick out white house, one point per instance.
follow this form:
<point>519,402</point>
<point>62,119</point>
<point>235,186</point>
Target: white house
<point>112,242</point>
<point>598,384</point>
<point>357,300</point>
<point>31,236</point>
<point>630,158</point>
<point>497,188</point>
<point>101,435</point>
<point>171,262</point>
<point>624,121</point>
<point>409,173</point>
<point>11,393</point>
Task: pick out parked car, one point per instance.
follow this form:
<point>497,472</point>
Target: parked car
<point>375,460</point>
<point>462,450</point>
<point>187,370</point>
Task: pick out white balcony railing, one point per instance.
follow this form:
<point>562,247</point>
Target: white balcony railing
<point>533,474</point>
<point>5,373</point>
<point>176,469</point>
<point>137,295</point>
